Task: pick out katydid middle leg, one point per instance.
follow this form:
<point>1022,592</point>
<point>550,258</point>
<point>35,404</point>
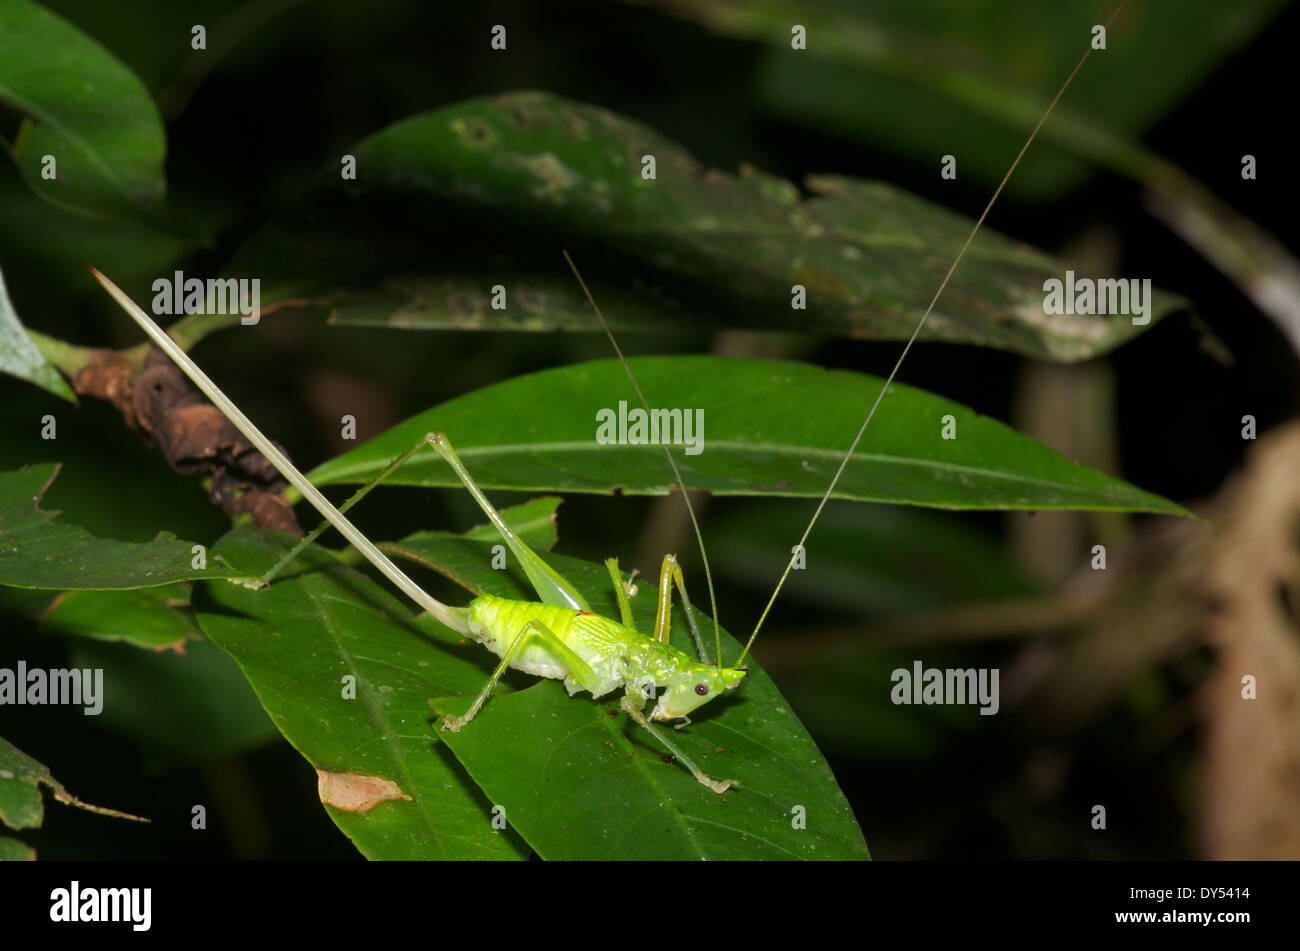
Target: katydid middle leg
<point>670,573</point>
<point>579,670</point>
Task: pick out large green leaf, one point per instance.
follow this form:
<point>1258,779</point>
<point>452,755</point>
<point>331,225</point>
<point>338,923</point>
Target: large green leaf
<point>720,248</point>
<point>87,111</point>
<point>538,432</point>
<point>36,551</point>
<point>20,357</point>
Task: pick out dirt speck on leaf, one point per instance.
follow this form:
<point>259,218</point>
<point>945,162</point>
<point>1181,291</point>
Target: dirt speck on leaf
<point>576,126</point>
<point>555,178</point>
<point>474,130</point>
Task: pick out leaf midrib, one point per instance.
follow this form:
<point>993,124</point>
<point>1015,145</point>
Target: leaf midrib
<point>780,449</point>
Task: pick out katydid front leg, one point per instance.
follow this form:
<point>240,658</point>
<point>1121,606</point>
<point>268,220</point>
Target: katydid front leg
<point>621,592</point>
<point>633,709</point>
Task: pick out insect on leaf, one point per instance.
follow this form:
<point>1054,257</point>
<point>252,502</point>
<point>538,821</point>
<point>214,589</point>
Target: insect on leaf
<point>572,780</point>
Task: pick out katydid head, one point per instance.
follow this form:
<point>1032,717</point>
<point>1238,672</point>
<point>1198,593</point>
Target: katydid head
<point>693,687</point>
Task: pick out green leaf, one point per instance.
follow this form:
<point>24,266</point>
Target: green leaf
<point>538,432</point>
<point>151,618</point>
<point>298,639</point>
<point>719,249</point>
<point>36,551</point>
<point>85,109</point>
<point>12,850</point>
<point>21,806</point>
<point>367,281</point>
<point>20,357</point>
<point>533,521</point>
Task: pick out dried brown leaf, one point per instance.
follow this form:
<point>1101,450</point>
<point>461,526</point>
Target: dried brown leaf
<point>353,792</point>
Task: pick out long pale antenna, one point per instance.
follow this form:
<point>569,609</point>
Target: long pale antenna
<point>453,617</point>
<point>912,339</point>
<point>681,483</point>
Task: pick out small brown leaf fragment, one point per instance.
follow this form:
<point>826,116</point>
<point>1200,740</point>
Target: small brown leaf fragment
<point>352,792</point>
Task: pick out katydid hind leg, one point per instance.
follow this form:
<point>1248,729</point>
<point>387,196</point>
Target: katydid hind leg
<point>453,617</point>
<point>551,587</point>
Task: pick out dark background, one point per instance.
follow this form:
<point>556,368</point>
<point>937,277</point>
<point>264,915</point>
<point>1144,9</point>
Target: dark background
<point>323,75</point>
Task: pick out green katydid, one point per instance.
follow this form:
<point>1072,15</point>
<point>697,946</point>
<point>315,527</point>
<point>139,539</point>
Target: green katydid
<point>560,636</point>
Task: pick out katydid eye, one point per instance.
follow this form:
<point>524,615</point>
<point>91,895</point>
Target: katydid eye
<point>702,689</point>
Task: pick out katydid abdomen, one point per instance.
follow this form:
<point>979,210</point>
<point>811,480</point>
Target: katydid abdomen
<point>495,623</point>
